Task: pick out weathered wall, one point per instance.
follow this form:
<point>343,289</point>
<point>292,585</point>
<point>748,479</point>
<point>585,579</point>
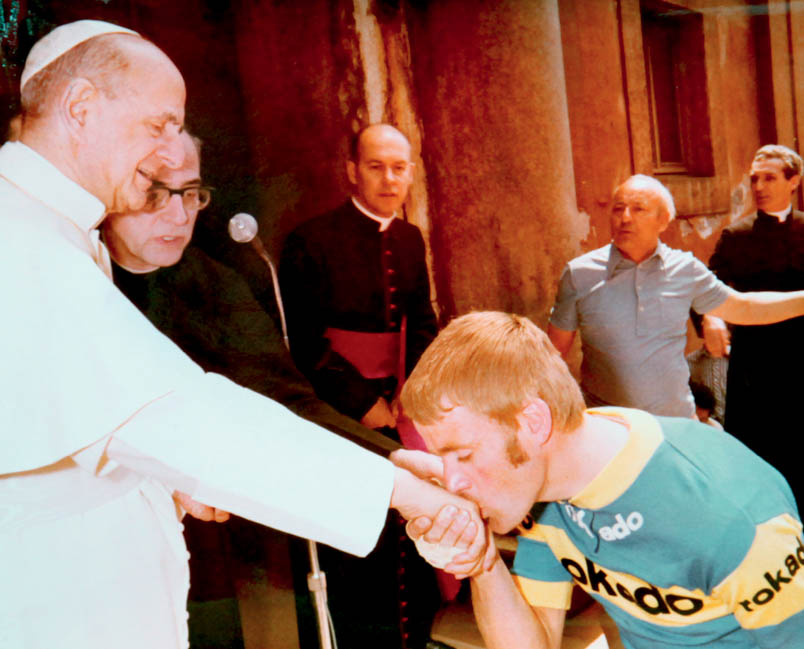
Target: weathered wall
<point>780,48</point>
<point>797,44</point>
<point>735,114</point>
<point>752,62</point>
<point>609,118</point>
<point>599,124</point>
<point>490,85</point>
<point>302,83</point>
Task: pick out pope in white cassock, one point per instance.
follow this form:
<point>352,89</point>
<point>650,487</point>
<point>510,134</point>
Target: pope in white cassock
<point>102,417</point>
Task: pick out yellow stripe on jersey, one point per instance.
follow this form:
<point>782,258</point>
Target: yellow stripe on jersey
<point>672,607</point>
<point>768,586</point>
<point>645,436</point>
<point>549,594</point>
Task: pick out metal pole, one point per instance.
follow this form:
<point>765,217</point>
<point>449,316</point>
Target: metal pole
<point>316,579</point>
<point>317,583</point>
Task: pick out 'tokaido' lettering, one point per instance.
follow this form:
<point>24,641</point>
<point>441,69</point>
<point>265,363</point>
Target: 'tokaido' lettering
<point>649,598</point>
<point>792,563</point>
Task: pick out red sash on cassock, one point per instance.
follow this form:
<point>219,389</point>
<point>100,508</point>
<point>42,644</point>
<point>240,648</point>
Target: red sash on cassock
<point>378,356</point>
<point>375,355</point>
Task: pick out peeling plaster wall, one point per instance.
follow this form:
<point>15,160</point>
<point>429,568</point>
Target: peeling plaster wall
<point>490,84</point>
<point>303,88</point>
<point>610,134</point>
<point>753,75</point>
<point>735,84</point>
<point>372,55</point>
<point>597,110</point>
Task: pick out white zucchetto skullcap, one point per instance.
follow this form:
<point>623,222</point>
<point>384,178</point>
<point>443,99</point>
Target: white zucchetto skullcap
<point>61,40</point>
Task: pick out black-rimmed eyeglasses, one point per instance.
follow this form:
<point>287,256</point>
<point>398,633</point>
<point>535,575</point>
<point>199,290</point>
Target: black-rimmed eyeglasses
<point>192,198</point>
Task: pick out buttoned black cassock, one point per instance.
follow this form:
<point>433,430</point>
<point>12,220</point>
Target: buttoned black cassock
<point>208,310</point>
<point>339,271</point>
<point>764,385</point>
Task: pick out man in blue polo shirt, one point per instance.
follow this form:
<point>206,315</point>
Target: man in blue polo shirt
<point>681,533</point>
<point>631,300</point>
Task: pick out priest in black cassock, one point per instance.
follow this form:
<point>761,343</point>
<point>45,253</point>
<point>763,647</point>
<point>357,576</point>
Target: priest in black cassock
<point>208,310</point>
<point>357,300</point>
<point>355,275</point>
<point>764,251</point>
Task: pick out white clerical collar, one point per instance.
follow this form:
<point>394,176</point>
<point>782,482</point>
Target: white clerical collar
<point>384,221</point>
<point>40,178</point>
<point>782,216</point>
<point>134,271</point>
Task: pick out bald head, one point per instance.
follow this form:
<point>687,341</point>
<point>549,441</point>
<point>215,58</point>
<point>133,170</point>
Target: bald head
<point>104,61</point>
<point>380,169</point>
<point>107,113</point>
<point>652,186</point>
<point>642,208</point>
<point>371,132</point>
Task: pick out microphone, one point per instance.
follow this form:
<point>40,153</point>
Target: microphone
<point>243,229</point>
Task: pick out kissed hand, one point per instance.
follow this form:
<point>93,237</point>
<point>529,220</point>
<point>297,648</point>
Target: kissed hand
<point>443,518</point>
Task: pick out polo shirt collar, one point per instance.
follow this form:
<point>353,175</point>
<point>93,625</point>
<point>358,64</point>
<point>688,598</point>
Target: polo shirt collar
<point>644,437</point>
<point>616,258</point>
<point>38,177</point>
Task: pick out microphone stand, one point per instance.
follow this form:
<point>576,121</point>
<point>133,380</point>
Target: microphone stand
<point>256,242</point>
<point>316,578</point>
<point>317,585</point>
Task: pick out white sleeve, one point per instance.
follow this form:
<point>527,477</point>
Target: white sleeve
<point>234,449</point>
